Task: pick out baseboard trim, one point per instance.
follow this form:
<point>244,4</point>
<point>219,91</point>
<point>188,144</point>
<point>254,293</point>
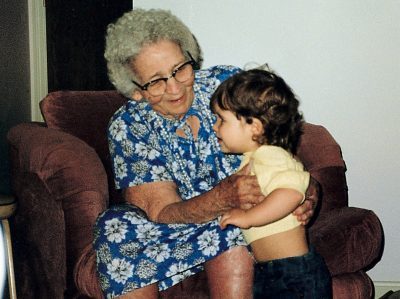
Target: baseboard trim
<point>382,287</point>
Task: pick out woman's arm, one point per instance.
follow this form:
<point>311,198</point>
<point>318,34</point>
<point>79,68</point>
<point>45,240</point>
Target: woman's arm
<point>278,204</point>
<point>161,202</point>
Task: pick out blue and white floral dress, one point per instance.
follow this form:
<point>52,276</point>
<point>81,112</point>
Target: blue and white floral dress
<point>133,252</point>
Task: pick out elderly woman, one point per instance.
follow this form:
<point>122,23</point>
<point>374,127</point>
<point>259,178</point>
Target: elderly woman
<point>168,162</point>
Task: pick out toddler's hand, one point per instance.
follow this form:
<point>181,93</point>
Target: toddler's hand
<point>235,217</point>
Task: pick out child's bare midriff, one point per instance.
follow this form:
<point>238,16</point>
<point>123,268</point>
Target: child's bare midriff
<point>282,245</point>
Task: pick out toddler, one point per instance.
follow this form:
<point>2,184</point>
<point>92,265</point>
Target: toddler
<point>257,116</point>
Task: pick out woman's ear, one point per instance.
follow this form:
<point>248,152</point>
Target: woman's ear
<point>137,95</point>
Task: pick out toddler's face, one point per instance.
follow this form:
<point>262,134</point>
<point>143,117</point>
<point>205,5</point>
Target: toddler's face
<point>234,135</point>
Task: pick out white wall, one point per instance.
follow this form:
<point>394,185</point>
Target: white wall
<point>342,59</point>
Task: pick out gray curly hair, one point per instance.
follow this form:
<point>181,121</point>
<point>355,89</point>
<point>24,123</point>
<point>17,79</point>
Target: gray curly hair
<point>126,37</point>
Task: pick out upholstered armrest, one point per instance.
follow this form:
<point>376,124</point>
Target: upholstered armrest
<point>348,238</point>
<point>61,187</point>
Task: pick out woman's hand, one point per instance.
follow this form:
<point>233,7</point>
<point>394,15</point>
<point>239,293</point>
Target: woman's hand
<point>306,210</point>
<point>235,217</point>
<point>240,190</point>
<point>161,202</point>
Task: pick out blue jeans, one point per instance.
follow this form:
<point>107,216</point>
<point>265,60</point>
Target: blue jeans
<point>305,277</point>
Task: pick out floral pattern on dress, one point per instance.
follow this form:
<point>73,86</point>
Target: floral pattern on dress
<point>132,251</point>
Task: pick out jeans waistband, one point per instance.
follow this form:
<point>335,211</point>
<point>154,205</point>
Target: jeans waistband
<point>305,262</point>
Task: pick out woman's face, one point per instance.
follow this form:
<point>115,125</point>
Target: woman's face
<point>159,60</point>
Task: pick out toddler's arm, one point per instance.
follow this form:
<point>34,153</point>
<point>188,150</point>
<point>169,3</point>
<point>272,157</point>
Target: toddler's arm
<point>278,204</point>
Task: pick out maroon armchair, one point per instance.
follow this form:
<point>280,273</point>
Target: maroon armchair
<point>62,179</point>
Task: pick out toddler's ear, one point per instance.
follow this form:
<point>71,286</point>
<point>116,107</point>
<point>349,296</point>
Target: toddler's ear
<point>137,95</point>
<point>257,127</point>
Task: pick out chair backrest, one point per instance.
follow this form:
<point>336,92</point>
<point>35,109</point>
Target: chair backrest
<point>318,149</point>
<point>322,157</point>
<point>85,114</point>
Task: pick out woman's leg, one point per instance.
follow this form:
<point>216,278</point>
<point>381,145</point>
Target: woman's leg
<point>149,292</point>
<point>230,275</point>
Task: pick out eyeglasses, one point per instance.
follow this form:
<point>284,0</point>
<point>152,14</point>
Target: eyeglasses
<point>181,74</point>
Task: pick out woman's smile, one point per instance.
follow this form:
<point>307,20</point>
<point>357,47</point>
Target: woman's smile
<point>178,101</point>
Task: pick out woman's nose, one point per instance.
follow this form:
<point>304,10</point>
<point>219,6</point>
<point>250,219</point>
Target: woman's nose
<point>173,86</point>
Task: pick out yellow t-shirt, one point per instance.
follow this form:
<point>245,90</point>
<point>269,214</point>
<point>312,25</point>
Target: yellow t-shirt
<point>275,168</point>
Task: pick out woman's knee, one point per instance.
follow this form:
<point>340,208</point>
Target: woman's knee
<point>236,260</point>
<point>231,274</point>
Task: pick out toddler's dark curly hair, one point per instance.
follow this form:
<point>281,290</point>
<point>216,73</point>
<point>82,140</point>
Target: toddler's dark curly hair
<point>262,94</point>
